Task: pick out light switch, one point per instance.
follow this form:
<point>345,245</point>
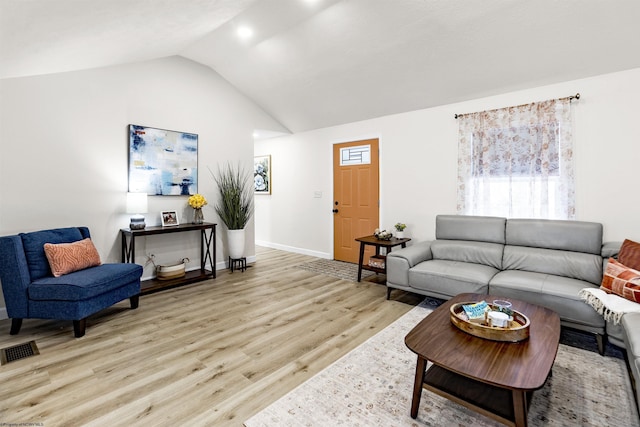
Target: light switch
<point>317,194</point>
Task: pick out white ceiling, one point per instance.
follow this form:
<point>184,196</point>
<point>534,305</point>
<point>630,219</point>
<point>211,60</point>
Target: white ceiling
<point>317,63</point>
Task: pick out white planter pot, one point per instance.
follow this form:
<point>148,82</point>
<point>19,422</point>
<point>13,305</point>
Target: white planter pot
<point>236,243</point>
<point>400,234</point>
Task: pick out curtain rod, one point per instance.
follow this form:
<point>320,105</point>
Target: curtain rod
<point>570,98</point>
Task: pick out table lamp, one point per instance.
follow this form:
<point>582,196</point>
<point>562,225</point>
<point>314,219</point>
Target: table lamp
<point>137,205</point>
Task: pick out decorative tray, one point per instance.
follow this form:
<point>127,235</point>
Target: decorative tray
<point>516,330</point>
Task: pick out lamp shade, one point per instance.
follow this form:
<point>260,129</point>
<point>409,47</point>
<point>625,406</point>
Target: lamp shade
<point>137,203</point>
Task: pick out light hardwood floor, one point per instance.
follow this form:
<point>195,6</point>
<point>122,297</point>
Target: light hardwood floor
<point>212,353</point>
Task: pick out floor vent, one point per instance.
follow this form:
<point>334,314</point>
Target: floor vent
<point>17,352</point>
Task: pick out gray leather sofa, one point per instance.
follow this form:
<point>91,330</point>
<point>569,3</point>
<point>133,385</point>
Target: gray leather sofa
<point>545,262</point>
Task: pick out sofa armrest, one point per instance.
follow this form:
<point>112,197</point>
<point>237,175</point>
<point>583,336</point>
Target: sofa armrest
<point>610,249</point>
<point>14,275</point>
<point>400,261</point>
<point>630,322</point>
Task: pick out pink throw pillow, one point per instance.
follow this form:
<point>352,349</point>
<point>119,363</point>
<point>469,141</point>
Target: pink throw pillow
<point>621,280</point>
<point>66,258</point>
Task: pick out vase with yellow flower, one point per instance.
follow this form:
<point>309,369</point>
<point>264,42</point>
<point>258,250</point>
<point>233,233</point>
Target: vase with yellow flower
<point>197,201</point>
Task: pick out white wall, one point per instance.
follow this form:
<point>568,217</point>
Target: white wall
<point>64,149</point>
<point>418,167</point>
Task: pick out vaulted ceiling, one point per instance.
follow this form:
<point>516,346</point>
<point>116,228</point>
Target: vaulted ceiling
<point>317,63</point>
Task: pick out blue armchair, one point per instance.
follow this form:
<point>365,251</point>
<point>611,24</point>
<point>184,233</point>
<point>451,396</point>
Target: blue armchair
<point>31,291</point>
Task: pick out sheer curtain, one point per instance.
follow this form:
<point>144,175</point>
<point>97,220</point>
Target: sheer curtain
<point>517,162</point>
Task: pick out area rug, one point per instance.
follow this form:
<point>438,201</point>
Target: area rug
<point>372,386</point>
<point>337,269</point>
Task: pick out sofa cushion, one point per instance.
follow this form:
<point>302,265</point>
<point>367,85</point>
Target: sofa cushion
<point>449,278</point>
<point>575,236</point>
<point>66,258</point>
<point>84,284</point>
<point>474,228</point>
<point>470,252</point>
<point>629,254</point>
<point>33,244</point>
<point>621,280</point>
<point>576,265</point>
<point>528,281</point>
<point>558,293</point>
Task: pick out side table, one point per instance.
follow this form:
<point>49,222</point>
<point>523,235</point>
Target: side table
<point>373,241</point>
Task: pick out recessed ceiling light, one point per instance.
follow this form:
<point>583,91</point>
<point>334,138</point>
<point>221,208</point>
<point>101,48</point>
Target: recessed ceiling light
<point>245,32</point>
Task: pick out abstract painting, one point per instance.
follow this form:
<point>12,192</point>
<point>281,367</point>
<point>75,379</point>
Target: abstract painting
<point>262,174</point>
<point>162,162</point>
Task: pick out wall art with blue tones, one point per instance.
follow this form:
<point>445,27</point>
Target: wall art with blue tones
<point>162,162</point>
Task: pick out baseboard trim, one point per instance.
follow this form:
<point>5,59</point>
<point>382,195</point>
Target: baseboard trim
<point>294,249</point>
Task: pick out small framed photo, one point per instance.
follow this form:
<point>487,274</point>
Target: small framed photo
<point>169,218</point>
<point>262,174</point>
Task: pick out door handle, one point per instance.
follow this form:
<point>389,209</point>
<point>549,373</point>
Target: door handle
<point>335,211</point>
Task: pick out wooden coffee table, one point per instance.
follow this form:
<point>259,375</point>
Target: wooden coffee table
<point>496,379</point>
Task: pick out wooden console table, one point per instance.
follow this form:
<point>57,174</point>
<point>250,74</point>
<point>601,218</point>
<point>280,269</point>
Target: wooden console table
<point>207,253</point>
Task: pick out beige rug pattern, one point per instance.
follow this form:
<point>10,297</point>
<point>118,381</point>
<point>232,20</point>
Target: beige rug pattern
<point>372,386</point>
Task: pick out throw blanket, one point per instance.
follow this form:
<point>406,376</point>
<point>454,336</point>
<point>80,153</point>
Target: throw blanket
<point>610,306</point>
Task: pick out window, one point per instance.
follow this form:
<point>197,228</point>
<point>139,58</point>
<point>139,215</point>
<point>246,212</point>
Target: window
<point>517,162</point>
<point>360,155</point>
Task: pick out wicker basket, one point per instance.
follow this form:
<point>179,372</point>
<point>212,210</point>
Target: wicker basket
<point>174,271</point>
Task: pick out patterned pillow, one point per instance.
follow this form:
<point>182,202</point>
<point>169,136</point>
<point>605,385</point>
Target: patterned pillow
<point>621,280</point>
<point>629,254</point>
<point>66,258</point>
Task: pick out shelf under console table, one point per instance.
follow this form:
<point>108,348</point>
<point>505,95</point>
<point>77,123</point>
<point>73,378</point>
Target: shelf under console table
<point>207,253</point>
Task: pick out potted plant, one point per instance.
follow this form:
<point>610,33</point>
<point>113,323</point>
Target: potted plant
<point>400,230</point>
<point>235,204</point>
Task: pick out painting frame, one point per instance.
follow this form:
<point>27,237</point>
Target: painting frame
<point>169,218</point>
<point>262,183</point>
<point>162,162</point>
